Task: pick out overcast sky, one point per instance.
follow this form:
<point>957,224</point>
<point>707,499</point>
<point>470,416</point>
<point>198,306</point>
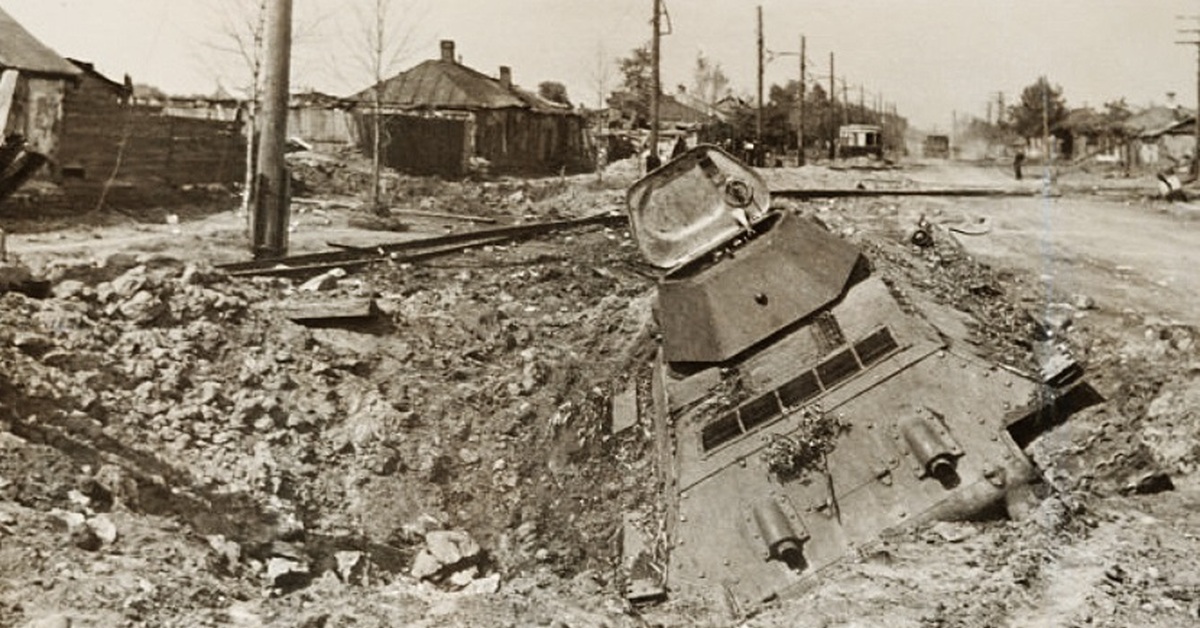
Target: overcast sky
<point>930,57</point>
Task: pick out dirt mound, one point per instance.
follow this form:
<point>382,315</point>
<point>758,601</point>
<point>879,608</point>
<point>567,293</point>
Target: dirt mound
<point>479,400</point>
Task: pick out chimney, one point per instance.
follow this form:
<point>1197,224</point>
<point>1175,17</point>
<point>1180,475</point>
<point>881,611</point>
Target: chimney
<point>448,50</point>
<point>506,77</point>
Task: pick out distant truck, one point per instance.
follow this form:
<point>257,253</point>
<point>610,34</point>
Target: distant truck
<point>859,140</point>
<point>936,147</point>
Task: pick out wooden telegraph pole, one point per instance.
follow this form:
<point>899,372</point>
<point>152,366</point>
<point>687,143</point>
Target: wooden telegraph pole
<point>833,132</point>
<point>268,228</point>
<point>800,122</point>
<point>845,102</point>
<point>655,87</point>
<point>1194,170</point>
<point>758,120</point>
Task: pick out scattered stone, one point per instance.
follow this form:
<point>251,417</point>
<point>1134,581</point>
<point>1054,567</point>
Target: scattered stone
<point>451,547</point>
<point>351,567</point>
<point>624,409</point>
<point>69,289</point>
<point>1082,302</point>
<point>117,482</point>
<point>483,586</point>
<point>954,532</point>
<point>130,283</point>
<point>325,281</point>
<point>425,565</point>
<point>57,620</point>
<point>229,552</point>
<point>287,572</point>
<point>104,529</point>
<point>197,275</point>
<point>32,344</point>
<point>468,456</point>
<point>85,538</point>
<point>1153,482</point>
<point>462,578</point>
<point>143,307</point>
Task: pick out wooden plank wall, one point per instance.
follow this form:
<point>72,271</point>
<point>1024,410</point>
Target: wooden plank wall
<point>102,135</point>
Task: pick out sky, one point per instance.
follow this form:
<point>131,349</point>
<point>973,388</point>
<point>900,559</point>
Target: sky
<point>934,59</point>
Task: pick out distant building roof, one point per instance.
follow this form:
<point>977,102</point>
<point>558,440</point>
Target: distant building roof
<point>438,84</point>
<point>121,89</point>
<point>672,111</point>
<point>22,51</point>
<point>446,84</point>
<point>1155,119</point>
<point>1184,126</point>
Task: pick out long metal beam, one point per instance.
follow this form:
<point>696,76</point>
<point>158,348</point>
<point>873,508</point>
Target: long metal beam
<point>411,250</point>
<point>849,192</point>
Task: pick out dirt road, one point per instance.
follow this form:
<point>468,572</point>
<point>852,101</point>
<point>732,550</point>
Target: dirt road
<point>1138,255</point>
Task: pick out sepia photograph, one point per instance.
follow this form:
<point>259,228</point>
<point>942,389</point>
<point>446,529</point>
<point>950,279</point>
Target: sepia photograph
<point>599,313</point>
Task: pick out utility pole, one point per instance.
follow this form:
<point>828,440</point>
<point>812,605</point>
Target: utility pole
<point>1194,170</point>
<point>845,102</point>
<point>758,120</point>
<point>268,228</point>
<point>800,122</point>
<point>953,130</point>
<point>655,86</point>
<point>1046,127</point>
<point>833,131</point>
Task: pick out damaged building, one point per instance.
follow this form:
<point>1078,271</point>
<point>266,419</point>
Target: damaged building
<point>33,81</point>
<point>107,135</point>
<point>441,117</point>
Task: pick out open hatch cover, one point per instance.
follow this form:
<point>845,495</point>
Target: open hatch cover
<point>693,204</point>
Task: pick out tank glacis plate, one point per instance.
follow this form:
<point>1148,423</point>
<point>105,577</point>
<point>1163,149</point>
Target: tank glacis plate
<point>908,445</point>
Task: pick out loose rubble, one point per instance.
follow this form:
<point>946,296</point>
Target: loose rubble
<point>176,451</point>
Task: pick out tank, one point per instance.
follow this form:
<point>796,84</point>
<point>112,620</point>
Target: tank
<point>800,409</point>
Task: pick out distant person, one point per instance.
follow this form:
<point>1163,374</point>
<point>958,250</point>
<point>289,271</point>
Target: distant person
<point>679,148</point>
<point>653,161</point>
<point>1018,159</point>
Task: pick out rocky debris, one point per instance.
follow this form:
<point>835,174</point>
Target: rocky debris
<point>34,345</point>
<point>104,529</point>
<point>1082,302</point>
<point>237,449</point>
<point>351,567</point>
<point>56,620</point>
<point>287,572</point>
<point>327,280</point>
<point>449,556</point>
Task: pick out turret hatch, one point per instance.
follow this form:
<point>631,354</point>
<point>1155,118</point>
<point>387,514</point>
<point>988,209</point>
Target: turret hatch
<point>693,204</point>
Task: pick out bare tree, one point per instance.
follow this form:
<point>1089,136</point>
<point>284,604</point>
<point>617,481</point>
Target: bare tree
<point>709,81</point>
<point>601,74</point>
<point>382,39</point>
<point>241,27</point>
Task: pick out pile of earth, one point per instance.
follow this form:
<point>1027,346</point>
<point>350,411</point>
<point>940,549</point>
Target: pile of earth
<point>476,405</point>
